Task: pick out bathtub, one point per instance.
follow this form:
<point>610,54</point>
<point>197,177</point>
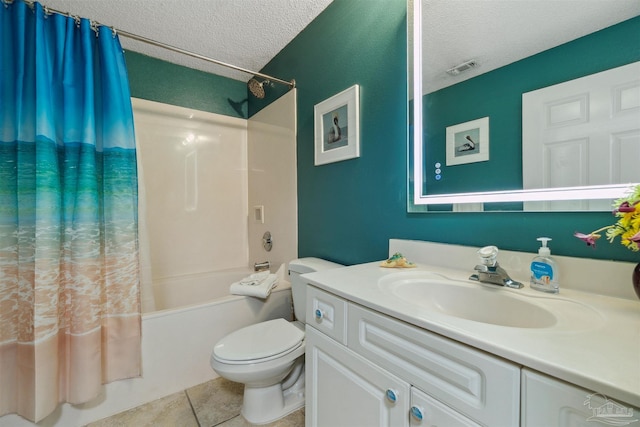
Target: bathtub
<point>197,289</point>
<point>192,313</point>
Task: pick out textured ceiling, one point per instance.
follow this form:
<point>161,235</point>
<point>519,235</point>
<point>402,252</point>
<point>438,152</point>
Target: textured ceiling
<point>245,33</point>
<point>498,32</point>
<point>249,33</point>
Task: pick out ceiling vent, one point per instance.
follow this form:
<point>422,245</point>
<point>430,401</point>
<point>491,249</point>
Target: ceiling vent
<point>462,67</point>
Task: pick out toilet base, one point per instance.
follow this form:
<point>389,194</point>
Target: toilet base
<point>263,405</point>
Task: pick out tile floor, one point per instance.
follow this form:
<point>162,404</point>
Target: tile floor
<point>214,403</point>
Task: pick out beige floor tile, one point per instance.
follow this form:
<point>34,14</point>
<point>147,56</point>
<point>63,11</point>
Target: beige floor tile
<point>295,419</point>
<point>170,411</point>
<point>216,401</point>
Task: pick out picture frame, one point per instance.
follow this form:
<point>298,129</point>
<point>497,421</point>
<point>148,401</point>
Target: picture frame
<point>468,142</point>
<point>337,127</point>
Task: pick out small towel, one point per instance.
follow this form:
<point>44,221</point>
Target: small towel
<point>255,278</point>
<point>259,286</point>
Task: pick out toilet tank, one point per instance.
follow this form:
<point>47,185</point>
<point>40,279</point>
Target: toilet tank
<point>299,286</point>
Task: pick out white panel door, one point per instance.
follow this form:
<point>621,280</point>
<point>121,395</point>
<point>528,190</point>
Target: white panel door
<point>547,402</point>
<point>583,132</point>
<point>345,390</point>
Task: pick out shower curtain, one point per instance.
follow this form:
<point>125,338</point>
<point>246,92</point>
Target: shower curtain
<point>69,287</point>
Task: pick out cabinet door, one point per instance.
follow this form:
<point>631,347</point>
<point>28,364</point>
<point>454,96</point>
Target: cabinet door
<point>480,386</point>
<point>345,390</point>
<point>427,412</point>
<point>548,402</point>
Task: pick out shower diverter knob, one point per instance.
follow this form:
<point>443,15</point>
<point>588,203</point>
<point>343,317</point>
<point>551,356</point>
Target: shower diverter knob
<point>267,243</point>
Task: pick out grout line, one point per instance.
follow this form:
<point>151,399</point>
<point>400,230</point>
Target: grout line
<point>193,410</point>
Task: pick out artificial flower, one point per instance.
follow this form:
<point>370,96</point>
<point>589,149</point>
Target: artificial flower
<point>627,227</point>
<point>589,239</point>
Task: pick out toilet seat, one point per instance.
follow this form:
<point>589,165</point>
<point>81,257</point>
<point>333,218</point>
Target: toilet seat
<point>259,343</point>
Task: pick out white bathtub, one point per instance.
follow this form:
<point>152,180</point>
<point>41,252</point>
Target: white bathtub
<point>192,314</point>
<point>196,289</point>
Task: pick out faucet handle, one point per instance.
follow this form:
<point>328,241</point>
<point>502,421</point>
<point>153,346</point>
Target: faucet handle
<point>488,255</point>
<point>481,268</point>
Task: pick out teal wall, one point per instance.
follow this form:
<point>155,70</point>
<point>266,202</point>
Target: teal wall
<point>348,210</point>
<point>156,80</point>
<point>498,95</point>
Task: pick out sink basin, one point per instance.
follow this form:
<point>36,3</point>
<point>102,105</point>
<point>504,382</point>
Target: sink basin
<point>470,301</point>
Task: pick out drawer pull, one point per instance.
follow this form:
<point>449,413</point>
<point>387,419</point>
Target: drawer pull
<point>392,395</point>
<point>416,413</point>
<point>319,314</point>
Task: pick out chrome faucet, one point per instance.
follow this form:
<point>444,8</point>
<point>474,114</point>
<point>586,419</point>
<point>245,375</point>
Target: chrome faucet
<point>490,271</point>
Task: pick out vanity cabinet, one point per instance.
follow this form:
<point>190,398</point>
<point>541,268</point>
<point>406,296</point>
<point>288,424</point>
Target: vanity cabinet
<point>426,411</point>
<point>344,389</point>
<point>374,370</point>
<point>548,402</point>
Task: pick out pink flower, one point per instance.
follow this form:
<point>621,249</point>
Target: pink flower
<point>636,239</point>
<point>589,239</point>
<point>626,207</point>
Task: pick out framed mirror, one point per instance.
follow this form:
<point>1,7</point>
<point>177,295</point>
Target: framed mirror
<point>502,69</point>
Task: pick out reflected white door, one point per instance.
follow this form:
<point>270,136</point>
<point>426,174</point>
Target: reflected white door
<point>582,132</point>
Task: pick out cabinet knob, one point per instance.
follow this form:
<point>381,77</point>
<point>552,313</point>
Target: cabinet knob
<point>319,314</point>
<point>392,395</point>
<point>416,412</point>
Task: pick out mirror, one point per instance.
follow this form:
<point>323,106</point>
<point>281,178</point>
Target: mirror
<point>475,60</point>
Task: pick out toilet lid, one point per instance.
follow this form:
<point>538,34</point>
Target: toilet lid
<point>259,341</point>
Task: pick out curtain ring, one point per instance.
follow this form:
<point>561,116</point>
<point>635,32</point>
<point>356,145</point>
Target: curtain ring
<point>7,3</point>
<point>77,20</point>
<point>114,33</point>
<point>47,12</point>
<point>94,27</point>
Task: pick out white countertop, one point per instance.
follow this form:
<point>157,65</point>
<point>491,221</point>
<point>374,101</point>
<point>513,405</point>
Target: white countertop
<point>600,353</point>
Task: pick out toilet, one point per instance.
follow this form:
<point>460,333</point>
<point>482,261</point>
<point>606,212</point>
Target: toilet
<point>268,357</point>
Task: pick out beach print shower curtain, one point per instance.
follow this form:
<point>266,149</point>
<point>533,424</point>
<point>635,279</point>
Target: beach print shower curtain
<point>69,288</point>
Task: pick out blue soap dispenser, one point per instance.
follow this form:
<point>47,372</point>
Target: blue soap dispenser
<point>544,272</point>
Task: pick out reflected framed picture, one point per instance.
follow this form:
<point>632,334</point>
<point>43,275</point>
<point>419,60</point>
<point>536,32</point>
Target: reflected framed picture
<point>468,142</point>
<point>337,127</point>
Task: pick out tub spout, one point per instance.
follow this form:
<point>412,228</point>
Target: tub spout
<point>261,266</point>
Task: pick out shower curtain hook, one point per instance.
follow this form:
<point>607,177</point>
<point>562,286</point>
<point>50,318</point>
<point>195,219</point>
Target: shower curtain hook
<point>7,3</point>
<point>94,27</point>
<point>77,20</point>
<point>114,33</point>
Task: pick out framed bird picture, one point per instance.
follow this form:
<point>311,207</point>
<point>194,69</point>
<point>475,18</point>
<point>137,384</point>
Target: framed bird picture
<point>468,142</point>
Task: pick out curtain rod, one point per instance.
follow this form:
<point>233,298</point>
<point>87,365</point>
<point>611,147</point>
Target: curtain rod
<point>291,84</point>
<point>127,34</point>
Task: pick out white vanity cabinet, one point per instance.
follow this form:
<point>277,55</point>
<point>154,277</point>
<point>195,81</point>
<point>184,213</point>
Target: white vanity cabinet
<point>344,389</point>
<point>548,402</point>
<point>428,412</point>
<point>378,371</point>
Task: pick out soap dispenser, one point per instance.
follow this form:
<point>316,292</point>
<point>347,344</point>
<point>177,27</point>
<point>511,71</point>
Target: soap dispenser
<point>544,272</point>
